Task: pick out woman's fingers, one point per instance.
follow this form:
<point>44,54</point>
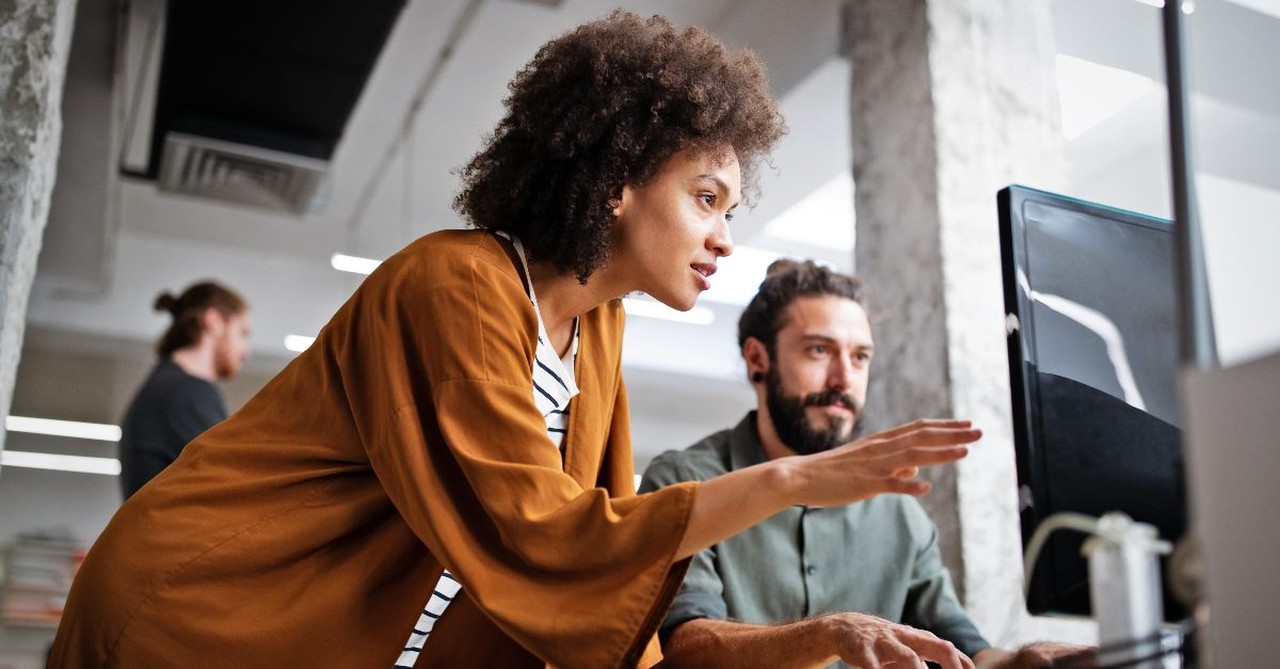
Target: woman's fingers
<point>923,423</point>
<point>914,488</point>
<point>886,462</point>
<point>919,456</point>
<point>923,437</point>
<point>906,473</point>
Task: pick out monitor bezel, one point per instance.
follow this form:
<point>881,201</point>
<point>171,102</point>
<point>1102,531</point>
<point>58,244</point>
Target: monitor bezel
<point>1024,388</point>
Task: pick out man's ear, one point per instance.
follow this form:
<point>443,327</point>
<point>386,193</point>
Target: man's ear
<point>756,356</point>
<point>212,321</point>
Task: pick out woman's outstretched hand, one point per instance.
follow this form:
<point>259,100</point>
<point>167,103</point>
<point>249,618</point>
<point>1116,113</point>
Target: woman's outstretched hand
<point>884,462</point>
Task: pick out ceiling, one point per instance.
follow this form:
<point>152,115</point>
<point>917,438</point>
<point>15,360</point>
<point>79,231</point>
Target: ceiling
<point>288,79</point>
<point>392,96</point>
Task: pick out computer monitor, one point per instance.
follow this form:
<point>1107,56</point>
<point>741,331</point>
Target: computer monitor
<point>1090,297</point>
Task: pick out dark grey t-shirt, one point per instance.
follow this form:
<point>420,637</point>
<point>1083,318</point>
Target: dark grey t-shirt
<point>878,557</point>
<point>172,408</point>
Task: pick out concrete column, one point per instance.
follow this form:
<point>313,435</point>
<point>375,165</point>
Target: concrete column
<point>35,37</point>
<point>951,101</point>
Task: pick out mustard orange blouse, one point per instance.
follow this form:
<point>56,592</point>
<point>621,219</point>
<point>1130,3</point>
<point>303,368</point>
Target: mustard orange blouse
<point>307,529</point>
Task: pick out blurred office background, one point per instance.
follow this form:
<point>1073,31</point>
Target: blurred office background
<point>363,110</point>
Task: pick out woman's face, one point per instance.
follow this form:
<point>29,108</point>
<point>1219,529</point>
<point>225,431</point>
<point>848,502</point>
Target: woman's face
<point>671,230</point>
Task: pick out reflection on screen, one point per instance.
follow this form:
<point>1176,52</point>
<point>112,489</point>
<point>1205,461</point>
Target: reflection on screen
<point>1105,313</point>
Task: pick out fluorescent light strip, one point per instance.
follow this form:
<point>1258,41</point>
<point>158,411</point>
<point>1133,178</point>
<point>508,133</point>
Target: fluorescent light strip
<point>1187,6</point>
<point>298,343</point>
<point>61,463</point>
<point>353,264</point>
<point>1092,93</point>
<point>650,309</point>
<point>63,428</point>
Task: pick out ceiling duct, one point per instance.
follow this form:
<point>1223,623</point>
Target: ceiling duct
<point>253,97</point>
<point>252,175</point>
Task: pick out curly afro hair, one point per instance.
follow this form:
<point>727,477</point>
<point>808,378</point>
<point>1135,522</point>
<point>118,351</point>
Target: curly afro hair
<point>606,105</point>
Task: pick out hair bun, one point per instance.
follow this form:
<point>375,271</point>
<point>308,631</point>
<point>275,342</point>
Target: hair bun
<point>782,265</point>
<point>166,302</point>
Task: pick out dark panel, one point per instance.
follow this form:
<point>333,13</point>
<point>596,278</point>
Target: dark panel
<point>282,74</point>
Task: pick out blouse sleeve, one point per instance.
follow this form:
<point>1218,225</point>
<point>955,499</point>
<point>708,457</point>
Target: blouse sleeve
<point>436,361</point>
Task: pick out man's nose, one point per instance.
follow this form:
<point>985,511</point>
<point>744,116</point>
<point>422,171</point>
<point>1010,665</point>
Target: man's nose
<point>840,376</point>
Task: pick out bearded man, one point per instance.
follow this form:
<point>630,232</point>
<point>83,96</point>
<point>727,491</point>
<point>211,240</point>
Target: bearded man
<point>858,585</point>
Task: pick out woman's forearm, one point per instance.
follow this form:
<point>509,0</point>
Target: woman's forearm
<point>733,502</point>
<point>884,462</point>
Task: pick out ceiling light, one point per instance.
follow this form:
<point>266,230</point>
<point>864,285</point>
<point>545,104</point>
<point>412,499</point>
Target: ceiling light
<point>1270,7</point>
<point>1091,93</point>
<point>353,264</point>
<point>60,463</point>
<point>1187,5</point>
<point>824,218</point>
<point>298,343</point>
<point>63,428</point>
<point>738,277</point>
<point>654,309</point>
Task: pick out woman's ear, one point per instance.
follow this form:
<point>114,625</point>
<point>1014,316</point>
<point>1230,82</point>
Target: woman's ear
<point>619,199</point>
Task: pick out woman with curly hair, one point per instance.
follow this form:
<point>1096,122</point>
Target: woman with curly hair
<point>457,436</point>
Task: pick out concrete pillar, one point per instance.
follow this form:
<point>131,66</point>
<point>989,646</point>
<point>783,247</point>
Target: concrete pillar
<point>35,37</point>
<point>951,101</point>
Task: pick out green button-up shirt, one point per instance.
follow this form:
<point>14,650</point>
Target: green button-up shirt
<point>878,557</point>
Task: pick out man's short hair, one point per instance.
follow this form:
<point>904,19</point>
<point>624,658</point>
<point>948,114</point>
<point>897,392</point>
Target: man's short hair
<point>784,282</point>
<point>603,106</point>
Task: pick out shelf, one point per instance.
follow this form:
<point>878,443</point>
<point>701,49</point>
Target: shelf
<point>35,577</point>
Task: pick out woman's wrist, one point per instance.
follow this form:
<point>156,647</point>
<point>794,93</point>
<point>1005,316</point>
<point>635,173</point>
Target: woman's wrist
<point>784,480</point>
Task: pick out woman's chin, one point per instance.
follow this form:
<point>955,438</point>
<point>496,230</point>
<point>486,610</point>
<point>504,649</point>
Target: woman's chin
<point>684,303</point>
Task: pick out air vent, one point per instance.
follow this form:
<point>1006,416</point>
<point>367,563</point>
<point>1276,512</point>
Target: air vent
<point>241,173</point>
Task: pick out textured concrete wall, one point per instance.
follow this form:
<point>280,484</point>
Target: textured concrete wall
<point>35,37</point>
<point>899,249</point>
<point>951,101</point>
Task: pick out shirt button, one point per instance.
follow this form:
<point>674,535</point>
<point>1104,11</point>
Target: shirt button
<point>811,570</point>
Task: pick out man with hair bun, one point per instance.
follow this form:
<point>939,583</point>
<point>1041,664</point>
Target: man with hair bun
<point>207,341</point>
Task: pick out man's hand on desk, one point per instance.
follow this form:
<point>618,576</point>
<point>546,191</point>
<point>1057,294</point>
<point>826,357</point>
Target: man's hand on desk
<point>1039,655</point>
<point>860,640</point>
<point>863,640</point>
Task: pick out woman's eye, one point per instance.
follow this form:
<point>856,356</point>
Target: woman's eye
<point>728,216</point>
<point>708,198</point>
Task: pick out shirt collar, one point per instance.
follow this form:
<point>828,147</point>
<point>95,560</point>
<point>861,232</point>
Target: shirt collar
<point>745,448</point>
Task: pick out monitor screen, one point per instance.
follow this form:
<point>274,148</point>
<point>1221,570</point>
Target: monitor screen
<point>1093,358</point>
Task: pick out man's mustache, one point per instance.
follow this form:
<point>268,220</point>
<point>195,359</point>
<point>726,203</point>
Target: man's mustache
<point>832,397</point>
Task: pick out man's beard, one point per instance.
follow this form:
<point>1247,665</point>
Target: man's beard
<point>224,365</point>
<point>792,424</point>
